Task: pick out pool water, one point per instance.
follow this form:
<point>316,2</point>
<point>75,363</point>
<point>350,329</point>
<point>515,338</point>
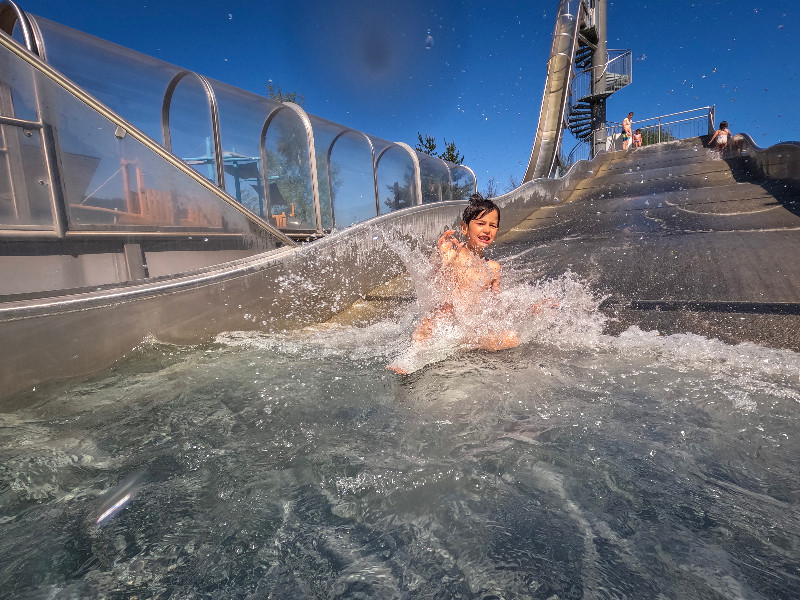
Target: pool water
<point>294,465</point>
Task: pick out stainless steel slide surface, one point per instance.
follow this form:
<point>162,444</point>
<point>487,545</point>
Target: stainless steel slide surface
<point>675,236</point>
<point>679,238</point>
<point>556,91</point>
<point>51,338</point>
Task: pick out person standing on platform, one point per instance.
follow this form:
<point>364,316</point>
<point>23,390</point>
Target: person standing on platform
<point>626,131</point>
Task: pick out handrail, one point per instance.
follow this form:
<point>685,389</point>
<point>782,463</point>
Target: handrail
<point>683,112</point>
<point>45,69</point>
<point>604,66</point>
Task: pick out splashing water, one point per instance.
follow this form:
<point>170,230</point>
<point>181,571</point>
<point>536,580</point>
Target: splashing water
<point>294,465</point>
<point>561,311</point>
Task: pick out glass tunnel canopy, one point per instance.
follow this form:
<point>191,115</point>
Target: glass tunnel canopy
<point>299,172</point>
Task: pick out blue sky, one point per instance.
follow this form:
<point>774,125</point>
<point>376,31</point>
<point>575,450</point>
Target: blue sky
<point>471,72</point>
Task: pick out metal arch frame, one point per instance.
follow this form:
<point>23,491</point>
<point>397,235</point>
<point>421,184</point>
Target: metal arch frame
<point>34,43</point>
<point>338,136</point>
<point>11,13</point>
<point>474,178</point>
<point>312,158</point>
<point>146,141</point>
<point>417,176</point>
<point>213,109</point>
<point>449,175</point>
<point>413,164</point>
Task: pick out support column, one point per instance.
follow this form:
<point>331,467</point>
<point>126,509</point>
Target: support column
<point>599,60</point>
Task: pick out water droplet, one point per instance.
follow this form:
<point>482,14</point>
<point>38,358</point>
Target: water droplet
<point>429,41</point>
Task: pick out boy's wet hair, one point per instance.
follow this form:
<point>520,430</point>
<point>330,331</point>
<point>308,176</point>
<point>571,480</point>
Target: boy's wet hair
<point>479,206</point>
<point>723,124</point>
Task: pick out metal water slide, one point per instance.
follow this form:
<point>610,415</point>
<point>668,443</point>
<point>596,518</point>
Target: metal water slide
<point>675,237</point>
<point>168,255</point>
<point>573,15</point>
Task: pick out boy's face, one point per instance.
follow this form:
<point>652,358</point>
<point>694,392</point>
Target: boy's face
<point>481,231</point>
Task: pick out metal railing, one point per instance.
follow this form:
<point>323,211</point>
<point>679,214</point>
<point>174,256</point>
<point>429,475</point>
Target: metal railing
<point>681,125</point>
<point>580,151</point>
<point>667,128</point>
<point>615,75</point>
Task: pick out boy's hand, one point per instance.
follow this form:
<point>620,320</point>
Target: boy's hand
<point>448,247</point>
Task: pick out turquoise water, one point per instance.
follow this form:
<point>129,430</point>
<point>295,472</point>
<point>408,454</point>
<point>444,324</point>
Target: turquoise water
<point>578,465</point>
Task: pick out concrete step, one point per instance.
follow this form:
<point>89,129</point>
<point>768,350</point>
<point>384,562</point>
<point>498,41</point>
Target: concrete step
<point>647,183</point>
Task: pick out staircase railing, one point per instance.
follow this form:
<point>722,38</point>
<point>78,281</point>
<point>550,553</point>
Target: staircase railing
<point>616,73</point>
<point>694,122</point>
<point>681,125</point>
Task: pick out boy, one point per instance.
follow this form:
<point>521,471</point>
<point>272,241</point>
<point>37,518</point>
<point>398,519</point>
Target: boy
<point>464,276</point>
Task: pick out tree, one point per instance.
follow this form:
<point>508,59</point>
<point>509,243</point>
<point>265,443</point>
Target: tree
<point>491,188</point>
<point>428,146</point>
<point>275,93</point>
<point>512,183</point>
<point>655,135</point>
<point>450,153</point>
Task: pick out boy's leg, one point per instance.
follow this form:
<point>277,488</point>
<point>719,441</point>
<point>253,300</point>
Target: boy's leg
<point>501,340</point>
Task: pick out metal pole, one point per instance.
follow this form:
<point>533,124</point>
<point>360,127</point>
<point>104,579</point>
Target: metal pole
<point>599,60</point>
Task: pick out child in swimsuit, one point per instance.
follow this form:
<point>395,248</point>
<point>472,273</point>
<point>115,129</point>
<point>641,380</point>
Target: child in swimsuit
<point>464,277</point>
<point>720,138</point>
<point>637,138</point>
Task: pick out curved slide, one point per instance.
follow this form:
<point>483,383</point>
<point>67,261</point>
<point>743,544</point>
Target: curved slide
<point>47,339</point>
<point>552,116</point>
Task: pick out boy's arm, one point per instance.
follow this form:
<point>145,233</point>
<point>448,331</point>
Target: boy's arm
<point>448,247</point>
<point>495,269</point>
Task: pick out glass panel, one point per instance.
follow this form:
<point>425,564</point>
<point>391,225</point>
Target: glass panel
<point>16,33</point>
<point>395,171</point>
<point>434,177</point>
<point>463,182</point>
<point>325,133</point>
<point>351,180</point>
<point>289,173</point>
<point>24,193</point>
<point>17,97</point>
<point>24,189</point>
<point>129,83</point>
<point>242,117</point>
<point>190,127</point>
<point>116,183</point>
